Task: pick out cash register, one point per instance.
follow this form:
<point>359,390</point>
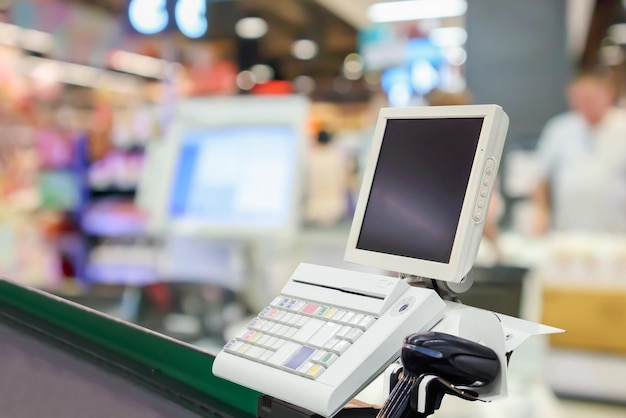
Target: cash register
<point>419,216</point>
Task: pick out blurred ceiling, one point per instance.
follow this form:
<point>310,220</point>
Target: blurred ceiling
<point>332,27</point>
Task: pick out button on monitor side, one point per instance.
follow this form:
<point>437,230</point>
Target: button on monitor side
<point>483,192</point>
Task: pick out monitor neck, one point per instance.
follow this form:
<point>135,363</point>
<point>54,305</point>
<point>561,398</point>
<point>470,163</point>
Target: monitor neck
<point>446,290</point>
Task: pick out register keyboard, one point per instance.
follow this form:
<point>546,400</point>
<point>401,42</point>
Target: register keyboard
<point>326,336</point>
<point>300,336</point>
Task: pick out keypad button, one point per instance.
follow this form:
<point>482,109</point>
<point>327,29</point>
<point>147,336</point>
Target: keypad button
<point>286,350</point>
<point>353,334</point>
<point>306,367</point>
<point>300,356</point>
<point>278,315</point>
<point>343,331</point>
<point>321,311</point>
<point>255,352</point>
<point>356,319</point>
<point>266,355</point>
<point>296,306</point>
<point>338,316</point>
<point>244,348</point>
<point>316,371</point>
<point>331,343</point>
<point>263,341</point>
<point>327,359</point>
<point>347,317</point>
<point>274,329</point>
<point>229,344</point>
<point>329,313</point>
<point>308,330</point>
<point>293,319</point>
<point>366,322</point>
<point>325,333</point>
<point>317,356</point>
<point>272,342</point>
<point>340,347</point>
<point>309,308</point>
<point>291,331</point>
<point>283,330</point>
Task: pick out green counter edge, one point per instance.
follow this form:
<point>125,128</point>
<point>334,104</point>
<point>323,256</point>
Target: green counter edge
<point>176,360</point>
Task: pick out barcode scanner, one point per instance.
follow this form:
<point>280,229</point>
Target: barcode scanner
<point>458,360</point>
<point>434,364</point>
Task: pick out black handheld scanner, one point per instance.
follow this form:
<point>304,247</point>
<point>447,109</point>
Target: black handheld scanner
<point>460,361</point>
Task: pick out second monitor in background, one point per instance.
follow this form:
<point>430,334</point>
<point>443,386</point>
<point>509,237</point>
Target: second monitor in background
<point>228,168</point>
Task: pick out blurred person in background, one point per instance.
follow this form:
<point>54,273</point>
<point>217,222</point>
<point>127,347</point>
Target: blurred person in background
<point>582,162</point>
<point>328,182</point>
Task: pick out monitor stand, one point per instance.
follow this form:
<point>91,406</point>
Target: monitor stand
<point>446,290</point>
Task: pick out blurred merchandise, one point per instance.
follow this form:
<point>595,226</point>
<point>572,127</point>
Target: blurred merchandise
<point>585,259</point>
<point>59,190</point>
<point>123,262</point>
<point>54,148</point>
<point>117,170</point>
<point>26,255</point>
<point>594,316</point>
<point>113,217</point>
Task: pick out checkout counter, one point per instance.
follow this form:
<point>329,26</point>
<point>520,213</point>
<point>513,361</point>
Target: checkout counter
<point>58,359</point>
<point>63,359</point>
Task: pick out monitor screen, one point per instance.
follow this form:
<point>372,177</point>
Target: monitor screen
<point>240,176</point>
<point>419,186</point>
<point>426,187</point>
<point>227,168</point>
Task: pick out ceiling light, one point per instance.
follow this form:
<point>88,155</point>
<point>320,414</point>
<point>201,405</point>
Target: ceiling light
<point>191,18</point>
<point>245,80</point>
<point>353,66</point>
<point>262,73</point>
<point>424,77</point>
<point>304,49</point>
<point>138,64</point>
<point>372,79</point>
<point>450,36</point>
<point>617,33</point>
<point>399,95</point>
<point>455,55</point>
<point>416,10</point>
<point>341,85</point>
<point>147,17</point>
<point>251,28</point>
<point>612,55</point>
<point>304,84</point>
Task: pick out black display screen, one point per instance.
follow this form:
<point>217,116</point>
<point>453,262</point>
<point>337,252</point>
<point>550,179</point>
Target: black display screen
<point>418,187</point>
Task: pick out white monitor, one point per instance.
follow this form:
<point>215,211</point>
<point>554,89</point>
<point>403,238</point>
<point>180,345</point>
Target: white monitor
<point>228,167</point>
<point>426,189</point>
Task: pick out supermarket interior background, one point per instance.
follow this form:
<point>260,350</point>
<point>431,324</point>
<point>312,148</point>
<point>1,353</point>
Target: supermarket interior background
<point>118,190</point>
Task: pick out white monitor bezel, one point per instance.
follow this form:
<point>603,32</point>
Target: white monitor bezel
<point>156,186</point>
<point>468,232</point>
